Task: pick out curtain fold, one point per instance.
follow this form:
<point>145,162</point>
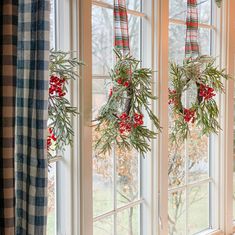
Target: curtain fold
<point>8,50</point>
<point>31,117</point>
<point>24,49</point>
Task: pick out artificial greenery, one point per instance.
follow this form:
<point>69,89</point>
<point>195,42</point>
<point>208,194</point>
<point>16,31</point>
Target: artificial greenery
<point>218,2</point>
<point>62,69</point>
<point>204,112</point>
<point>120,121</point>
<point>207,81</point>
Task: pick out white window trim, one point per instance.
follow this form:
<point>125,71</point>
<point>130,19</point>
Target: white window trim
<point>162,68</point>
<point>227,60</point>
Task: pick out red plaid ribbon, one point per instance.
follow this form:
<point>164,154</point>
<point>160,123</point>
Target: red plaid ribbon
<point>121,34</point>
<point>191,44</point>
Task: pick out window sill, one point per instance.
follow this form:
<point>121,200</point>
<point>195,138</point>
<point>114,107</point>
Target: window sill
<point>211,232</point>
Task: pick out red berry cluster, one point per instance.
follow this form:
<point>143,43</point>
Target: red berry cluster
<point>206,92</point>
<point>138,120</point>
<point>189,115</point>
<point>56,86</point>
<point>172,100</point>
<point>125,125</point>
<point>49,138</point>
<point>124,83</point>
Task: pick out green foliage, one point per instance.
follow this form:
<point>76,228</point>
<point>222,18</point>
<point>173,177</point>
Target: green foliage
<point>63,67</point>
<point>202,72</point>
<point>131,94</point>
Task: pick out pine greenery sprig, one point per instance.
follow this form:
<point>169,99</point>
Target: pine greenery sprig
<point>120,120</point>
<point>204,112</point>
<point>62,69</point>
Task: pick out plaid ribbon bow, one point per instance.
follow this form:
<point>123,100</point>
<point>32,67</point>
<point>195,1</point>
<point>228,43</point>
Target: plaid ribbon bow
<point>121,34</point>
<point>191,43</point>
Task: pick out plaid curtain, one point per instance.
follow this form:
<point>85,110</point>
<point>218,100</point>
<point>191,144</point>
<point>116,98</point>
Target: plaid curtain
<point>24,48</point>
<point>31,117</point>
<point>121,34</point>
<point>8,45</point>
<point>191,43</point>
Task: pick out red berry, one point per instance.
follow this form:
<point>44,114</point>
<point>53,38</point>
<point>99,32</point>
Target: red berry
<point>53,137</point>
<point>119,81</point>
<point>110,92</point>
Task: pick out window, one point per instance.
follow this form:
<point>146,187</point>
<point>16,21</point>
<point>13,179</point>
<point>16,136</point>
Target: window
<point>117,177</point>
<point>131,195</point>
<point>191,183</point>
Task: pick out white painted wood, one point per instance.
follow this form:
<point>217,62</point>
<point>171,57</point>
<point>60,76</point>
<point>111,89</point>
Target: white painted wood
<point>162,65</point>
<point>85,51</point>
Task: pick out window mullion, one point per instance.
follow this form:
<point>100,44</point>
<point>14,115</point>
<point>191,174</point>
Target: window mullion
<point>162,63</point>
<point>186,183</point>
<point>114,191</point>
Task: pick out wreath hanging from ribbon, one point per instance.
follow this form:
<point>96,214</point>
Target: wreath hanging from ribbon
<point>122,120</point>
<point>198,77</point>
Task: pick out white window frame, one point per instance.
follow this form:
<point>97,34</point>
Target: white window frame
<point>74,178</point>
<point>147,198</point>
<point>212,181</point>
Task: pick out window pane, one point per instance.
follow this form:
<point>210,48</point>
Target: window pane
<point>204,11</point>
<point>52,24</point>
<point>198,213</point>
<point>104,227</point>
<point>103,164</point>
<point>178,10</point>
<point>128,221</point>
<point>176,42</point>
<point>127,177</point>
<point>134,32</point>
<point>176,213</point>
<point>189,162</point>
<point>102,40</point>
<point>131,4</point>
<point>116,175</point>
<point>51,216</point>
<point>198,162</point>
<point>205,41</point>
<point>176,166</point>
<point>102,184</point>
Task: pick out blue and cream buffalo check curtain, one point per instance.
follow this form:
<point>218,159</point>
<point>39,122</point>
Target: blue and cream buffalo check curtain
<point>24,49</point>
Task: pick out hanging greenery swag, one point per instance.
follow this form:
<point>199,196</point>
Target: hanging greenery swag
<point>120,121</point>
<point>203,112</point>
<point>62,69</point>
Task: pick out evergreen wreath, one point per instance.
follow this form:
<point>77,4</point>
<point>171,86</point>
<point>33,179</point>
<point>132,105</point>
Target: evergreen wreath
<point>121,120</point>
<point>62,69</point>
<point>204,112</point>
